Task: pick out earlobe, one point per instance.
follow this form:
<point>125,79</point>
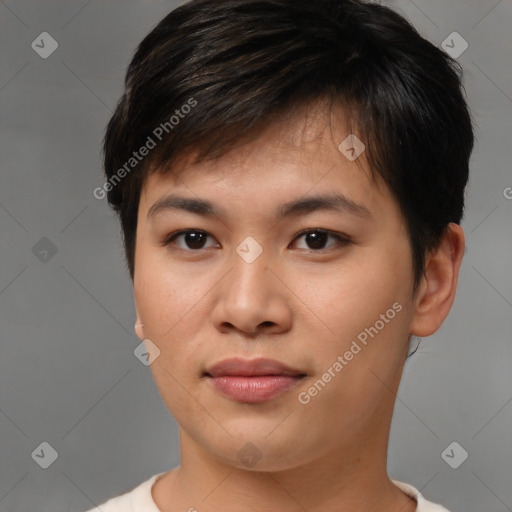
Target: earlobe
<point>138,327</point>
<point>138,331</point>
<point>438,286</point>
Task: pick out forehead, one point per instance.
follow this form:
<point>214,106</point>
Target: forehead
<point>294,155</point>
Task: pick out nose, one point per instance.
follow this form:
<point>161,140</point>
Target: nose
<point>252,299</point>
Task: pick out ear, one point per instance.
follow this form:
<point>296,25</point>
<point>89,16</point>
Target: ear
<point>139,326</point>
<point>436,291</point>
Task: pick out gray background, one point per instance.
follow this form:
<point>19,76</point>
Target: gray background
<point>68,375</point>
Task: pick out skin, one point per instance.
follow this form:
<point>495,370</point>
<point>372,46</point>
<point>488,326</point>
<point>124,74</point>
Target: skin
<point>292,304</point>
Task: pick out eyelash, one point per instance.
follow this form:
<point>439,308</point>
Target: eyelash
<point>343,240</point>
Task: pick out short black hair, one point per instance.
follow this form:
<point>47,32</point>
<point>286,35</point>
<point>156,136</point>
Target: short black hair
<point>213,72</point>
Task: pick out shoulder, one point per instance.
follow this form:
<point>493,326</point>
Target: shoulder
<point>138,499</point>
<point>423,504</point>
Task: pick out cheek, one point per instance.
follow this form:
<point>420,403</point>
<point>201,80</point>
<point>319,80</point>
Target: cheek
<point>170,299</point>
<point>344,303</point>
<point>165,294</point>
<point>352,293</point>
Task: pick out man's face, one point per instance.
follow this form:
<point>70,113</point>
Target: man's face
<point>308,301</point>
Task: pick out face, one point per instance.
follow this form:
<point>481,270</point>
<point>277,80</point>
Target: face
<point>324,291</point>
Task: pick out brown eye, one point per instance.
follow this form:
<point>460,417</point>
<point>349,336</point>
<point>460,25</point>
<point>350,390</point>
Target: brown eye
<point>195,240</point>
<point>317,238</point>
<point>192,238</point>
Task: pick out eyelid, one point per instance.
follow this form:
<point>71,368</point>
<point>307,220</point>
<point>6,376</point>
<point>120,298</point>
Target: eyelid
<point>169,238</point>
<point>341,237</point>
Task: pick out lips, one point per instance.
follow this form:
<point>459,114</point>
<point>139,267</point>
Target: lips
<point>252,381</point>
<point>251,367</point>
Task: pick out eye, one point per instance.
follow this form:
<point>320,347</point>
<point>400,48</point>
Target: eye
<point>193,238</point>
<point>317,238</point>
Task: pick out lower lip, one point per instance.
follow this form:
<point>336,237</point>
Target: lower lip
<point>256,389</point>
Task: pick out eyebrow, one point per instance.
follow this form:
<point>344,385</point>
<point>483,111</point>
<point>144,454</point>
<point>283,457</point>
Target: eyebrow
<point>303,206</point>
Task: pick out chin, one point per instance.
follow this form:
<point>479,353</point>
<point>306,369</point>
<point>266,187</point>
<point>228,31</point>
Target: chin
<point>258,453</point>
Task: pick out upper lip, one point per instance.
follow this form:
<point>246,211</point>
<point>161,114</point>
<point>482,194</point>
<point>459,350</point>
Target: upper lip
<point>251,367</point>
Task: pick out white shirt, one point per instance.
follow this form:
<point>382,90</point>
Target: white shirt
<point>140,499</point>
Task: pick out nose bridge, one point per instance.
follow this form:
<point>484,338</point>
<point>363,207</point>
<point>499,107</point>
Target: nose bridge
<point>250,271</point>
<point>250,250</point>
<point>247,298</point>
